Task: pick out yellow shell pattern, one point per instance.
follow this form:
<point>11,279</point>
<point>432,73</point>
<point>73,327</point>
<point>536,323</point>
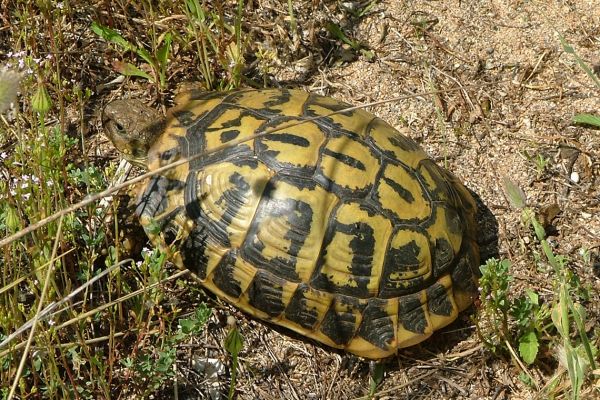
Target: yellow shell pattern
<point>338,227</point>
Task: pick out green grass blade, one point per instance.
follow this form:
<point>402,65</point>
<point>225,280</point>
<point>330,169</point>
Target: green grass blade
<point>579,317</point>
<point>145,55</point>
<point>112,36</point>
<point>582,64</point>
<point>162,55</point>
<point>337,32</point>
<point>587,119</point>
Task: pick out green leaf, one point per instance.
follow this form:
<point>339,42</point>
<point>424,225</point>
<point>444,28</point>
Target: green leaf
<point>163,52</point>
<point>587,119</point>
<point>162,55</point>
<point>145,55</point>
<point>112,36</point>
<point>528,347</point>
<point>128,69</point>
<point>515,194</point>
<point>337,32</point>
<point>376,375</point>
<point>533,296</point>
<point>234,342</point>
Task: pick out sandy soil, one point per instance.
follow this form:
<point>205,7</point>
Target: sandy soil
<point>518,91</point>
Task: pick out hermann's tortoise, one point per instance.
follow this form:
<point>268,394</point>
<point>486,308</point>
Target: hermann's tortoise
<point>334,225</point>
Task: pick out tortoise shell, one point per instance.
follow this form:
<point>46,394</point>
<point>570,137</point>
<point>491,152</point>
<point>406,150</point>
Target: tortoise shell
<point>327,222</point>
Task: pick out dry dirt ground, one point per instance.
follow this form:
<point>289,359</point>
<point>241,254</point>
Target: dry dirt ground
<point>506,93</point>
<point>519,92</point>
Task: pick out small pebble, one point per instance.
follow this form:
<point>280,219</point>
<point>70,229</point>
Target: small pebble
<point>574,177</point>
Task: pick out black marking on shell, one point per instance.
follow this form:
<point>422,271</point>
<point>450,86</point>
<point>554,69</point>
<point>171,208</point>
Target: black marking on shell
<point>236,155</point>
<point>376,326</point>
<point>411,314</point>
<point>297,214</point>
<point>169,156</point>
<point>345,159</point>
<point>443,254</point>
<point>191,201</point>
<point>245,162</point>
<point>154,199</point>
<point>298,311</point>
<point>265,293</point>
<point>282,96</point>
<point>193,252</point>
<point>400,190</point>
<point>299,181</point>
<point>341,191</point>
<point>327,124</point>
<point>286,138</point>
<point>185,117</point>
<point>231,200</point>
<point>229,135</point>
<point>362,247</point>
<point>223,277</point>
<point>344,192</point>
<point>438,301</point>
<point>269,153</point>
<point>454,220</point>
<point>398,139</point>
<point>400,260</point>
<point>195,140</point>
<point>442,189</point>
<point>340,326</point>
<point>466,270</point>
<point>404,143</point>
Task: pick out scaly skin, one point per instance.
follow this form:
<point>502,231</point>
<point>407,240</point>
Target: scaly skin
<point>133,127</point>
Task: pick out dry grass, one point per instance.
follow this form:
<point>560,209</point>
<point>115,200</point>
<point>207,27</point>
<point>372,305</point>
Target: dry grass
<point>511,118</point>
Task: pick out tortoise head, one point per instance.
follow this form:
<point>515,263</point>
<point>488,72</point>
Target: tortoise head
<point>132,127</point>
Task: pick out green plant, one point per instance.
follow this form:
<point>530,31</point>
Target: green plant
<point>155,366</point>
<point>234,342</point>
<point>377,373</point>
<point>217,40</point>
<point>336,31</point>
<point>501,312</point>
<point>584,119</point>
<point>531,318</point>
<point>157,60</point>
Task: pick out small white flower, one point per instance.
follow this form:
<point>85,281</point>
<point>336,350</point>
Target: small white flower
<point>3,155</point>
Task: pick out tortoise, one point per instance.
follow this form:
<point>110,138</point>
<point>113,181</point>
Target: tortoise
<point>322,220</point>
